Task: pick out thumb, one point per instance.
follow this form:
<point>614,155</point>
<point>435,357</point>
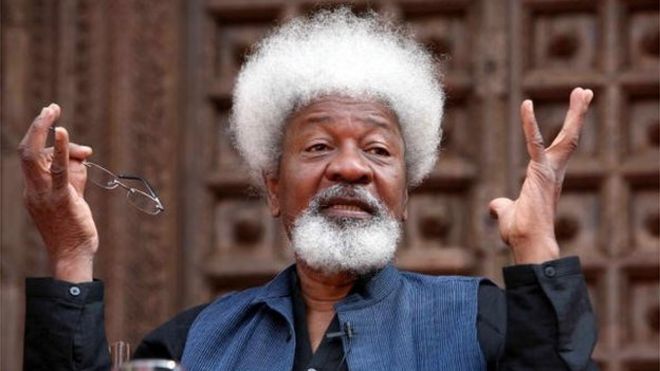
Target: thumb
<point>498,206</point>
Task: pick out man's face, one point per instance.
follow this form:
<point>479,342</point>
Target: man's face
<point>341,185</point>
<point>338,140</point>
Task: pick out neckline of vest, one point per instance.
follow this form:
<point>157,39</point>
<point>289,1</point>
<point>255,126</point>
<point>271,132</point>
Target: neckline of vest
<point>374,290</point>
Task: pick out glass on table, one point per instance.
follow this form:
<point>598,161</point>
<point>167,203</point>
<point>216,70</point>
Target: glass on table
<point>120,353</point>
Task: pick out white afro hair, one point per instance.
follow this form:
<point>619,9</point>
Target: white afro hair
<point>337,52</point>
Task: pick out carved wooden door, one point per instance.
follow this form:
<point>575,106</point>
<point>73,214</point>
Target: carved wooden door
<point>148,84</point>
<point>493,54</point>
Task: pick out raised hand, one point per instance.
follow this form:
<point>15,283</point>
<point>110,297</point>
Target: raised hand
<point>54,186</point>
<point>527,223</point>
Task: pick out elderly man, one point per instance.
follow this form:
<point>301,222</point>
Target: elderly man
<point>338,117</point>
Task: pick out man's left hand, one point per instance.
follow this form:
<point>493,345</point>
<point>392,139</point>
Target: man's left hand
<point>527,223</point>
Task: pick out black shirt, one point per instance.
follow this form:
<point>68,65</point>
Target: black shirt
<point>64,332</point>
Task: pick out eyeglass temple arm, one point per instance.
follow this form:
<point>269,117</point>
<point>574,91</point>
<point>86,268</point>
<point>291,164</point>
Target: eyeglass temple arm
<point>133,177</point>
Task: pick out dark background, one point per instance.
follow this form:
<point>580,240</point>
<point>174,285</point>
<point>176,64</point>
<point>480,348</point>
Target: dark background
<point>148,83</point>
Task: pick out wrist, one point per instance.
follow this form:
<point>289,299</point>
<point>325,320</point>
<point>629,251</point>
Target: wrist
<point>75,270</point>
<point>535,251</point>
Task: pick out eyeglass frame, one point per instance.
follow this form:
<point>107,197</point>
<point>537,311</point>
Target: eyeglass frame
<point>153,195</point>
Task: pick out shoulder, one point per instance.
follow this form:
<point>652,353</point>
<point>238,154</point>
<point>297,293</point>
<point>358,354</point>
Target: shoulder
<point>440,291</point>
<point>429,281</point>
<point>167,340</point>
<point>238,297</point>
<point>279,286</point>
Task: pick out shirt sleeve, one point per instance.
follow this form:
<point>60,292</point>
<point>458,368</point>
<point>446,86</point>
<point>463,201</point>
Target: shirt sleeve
<point>64,328</point>
<point>548,322</point>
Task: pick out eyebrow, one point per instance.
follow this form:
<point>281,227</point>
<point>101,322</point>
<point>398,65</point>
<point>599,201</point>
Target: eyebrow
<point>373,119</point>
<point>377,120</point>
<point>317,119</point>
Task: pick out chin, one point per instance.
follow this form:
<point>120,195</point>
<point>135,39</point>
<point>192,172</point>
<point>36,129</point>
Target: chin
<point>345,230</point>
<point>332,269</point>
<point>355,246</point>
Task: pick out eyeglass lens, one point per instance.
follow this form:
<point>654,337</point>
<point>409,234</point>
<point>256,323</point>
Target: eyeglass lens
<point>143,201</point>
<point>101,177</point>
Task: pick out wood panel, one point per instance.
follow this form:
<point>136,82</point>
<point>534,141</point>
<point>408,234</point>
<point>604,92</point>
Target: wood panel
<point>115,69</point>
<point>610,199</point>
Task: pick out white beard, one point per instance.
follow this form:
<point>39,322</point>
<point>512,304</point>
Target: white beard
<point>345,245</point>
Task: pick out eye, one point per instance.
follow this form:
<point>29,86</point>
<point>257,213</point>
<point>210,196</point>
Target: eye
<point>318,147</point>
<point>378,151</point>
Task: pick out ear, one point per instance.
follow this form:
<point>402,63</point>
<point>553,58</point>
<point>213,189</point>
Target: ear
<point>271,182</point>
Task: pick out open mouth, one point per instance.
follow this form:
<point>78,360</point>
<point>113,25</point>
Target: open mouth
<point>347,208</point>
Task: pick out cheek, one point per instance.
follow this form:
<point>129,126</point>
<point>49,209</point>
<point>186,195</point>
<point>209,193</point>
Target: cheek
<point>300,184</point>
<point>392,188</point>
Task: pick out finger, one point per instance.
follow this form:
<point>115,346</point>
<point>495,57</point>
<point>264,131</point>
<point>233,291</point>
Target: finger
<point>77,171</point>
<point>76,166</point>
<point>498,206</point>
<point>76,151</point>
<point>31,147</point>
<point>533,137</point>
<point>59,169</point>
<point>77,175</point>
<point>37,134</point>
<point>568,138</point>
<point>79,152</point>
<point>73,161</point>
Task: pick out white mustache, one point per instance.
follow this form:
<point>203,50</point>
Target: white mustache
<point>347,191</point>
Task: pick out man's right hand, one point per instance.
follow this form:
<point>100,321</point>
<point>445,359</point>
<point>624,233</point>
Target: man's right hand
<point>54,187</point>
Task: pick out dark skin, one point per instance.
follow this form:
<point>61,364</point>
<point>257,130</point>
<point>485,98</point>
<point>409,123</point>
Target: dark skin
<point>330,141</point>
<point>336,140</point>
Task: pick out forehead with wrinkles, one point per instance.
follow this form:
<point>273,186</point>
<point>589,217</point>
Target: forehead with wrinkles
<point>332,108</point>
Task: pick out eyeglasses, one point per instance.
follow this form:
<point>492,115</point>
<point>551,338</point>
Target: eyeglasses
<point>147,202</point>
<point>106,179</point>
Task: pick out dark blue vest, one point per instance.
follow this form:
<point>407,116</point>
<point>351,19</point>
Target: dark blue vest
<point>401,321</point>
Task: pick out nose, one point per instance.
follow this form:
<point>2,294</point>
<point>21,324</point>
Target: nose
<point>349,166</point>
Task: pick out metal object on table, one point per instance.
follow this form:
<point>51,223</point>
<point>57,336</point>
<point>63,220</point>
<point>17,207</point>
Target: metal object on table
<point>151,365</point>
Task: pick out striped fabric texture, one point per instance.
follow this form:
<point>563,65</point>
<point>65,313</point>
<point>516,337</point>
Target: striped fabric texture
<point>400,321</point>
